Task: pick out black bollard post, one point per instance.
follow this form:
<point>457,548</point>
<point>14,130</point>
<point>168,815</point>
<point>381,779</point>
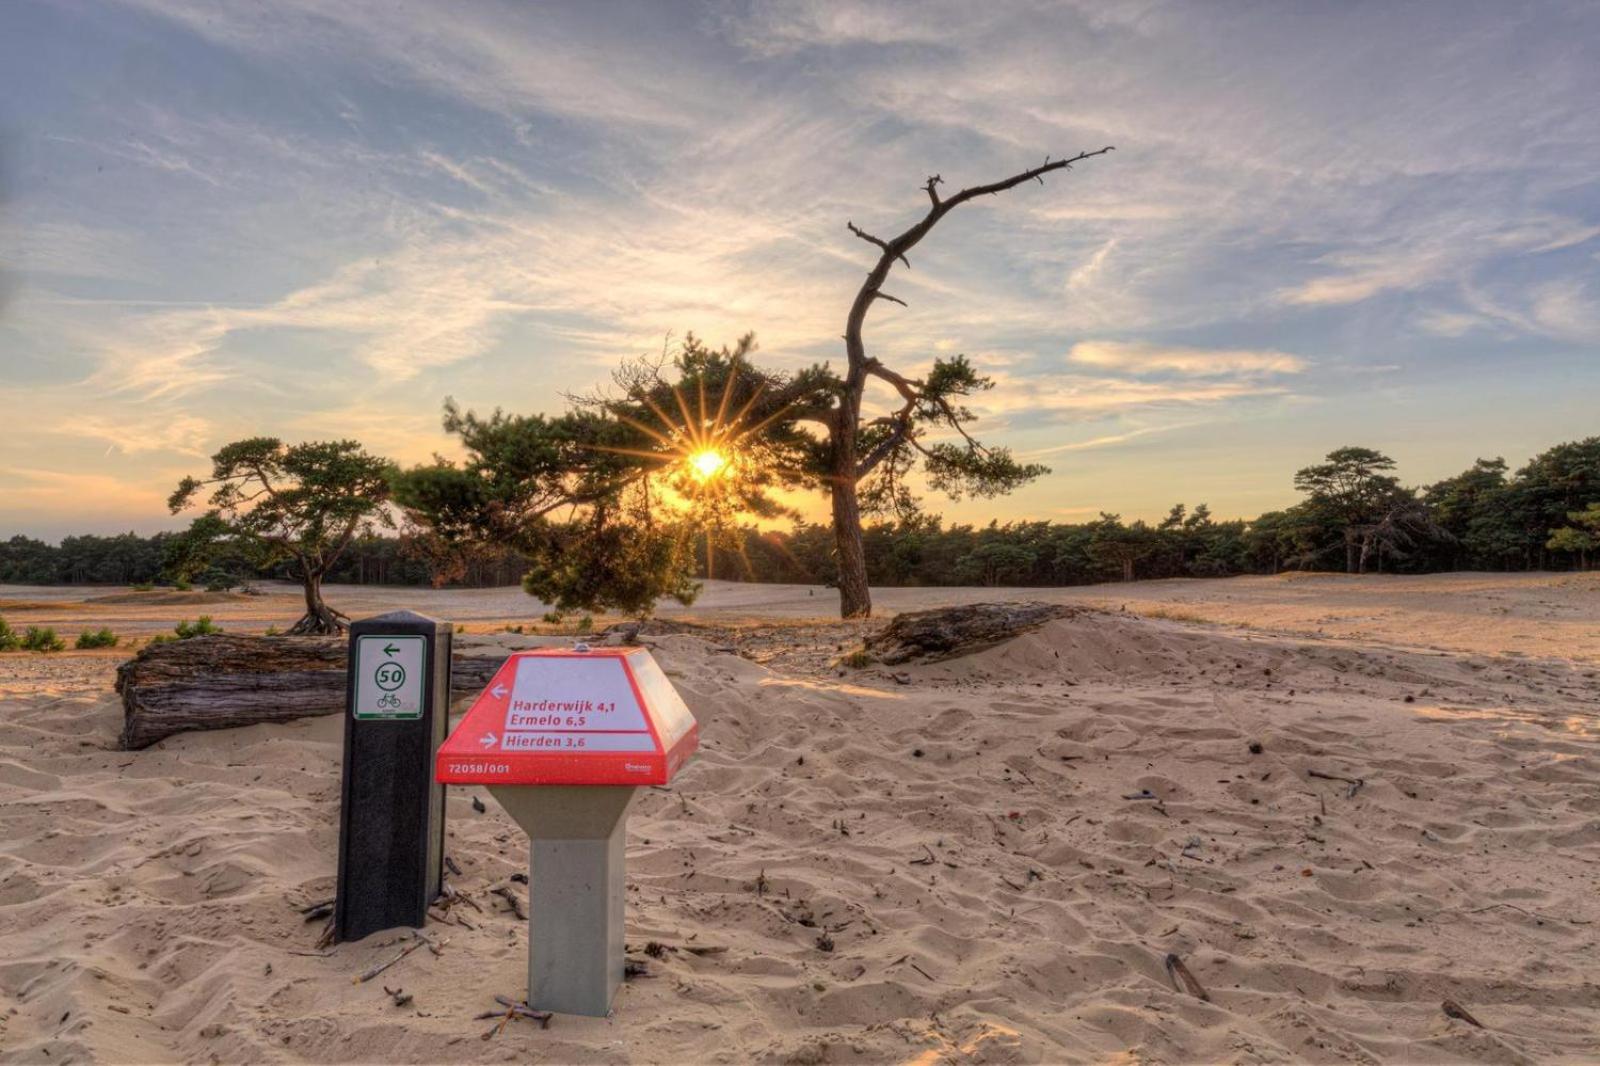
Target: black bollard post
<point>391,817</point>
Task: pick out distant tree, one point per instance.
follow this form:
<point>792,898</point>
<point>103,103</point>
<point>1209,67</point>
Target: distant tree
<point>302,503</point>
<point>1457,501</point>
<point>1122,546</point>
<point>1353,487</point>
<point>1554,483</point>
<point>1401,524</point>
<point>26,561</point>
<point>996,563</point>
<point>1581,537</point>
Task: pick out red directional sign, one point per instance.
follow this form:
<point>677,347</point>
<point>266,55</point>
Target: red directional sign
<point>606,716</point>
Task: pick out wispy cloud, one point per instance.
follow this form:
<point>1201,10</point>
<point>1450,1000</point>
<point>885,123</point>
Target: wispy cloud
<point>1107,440</point>
<point>1194,362</point>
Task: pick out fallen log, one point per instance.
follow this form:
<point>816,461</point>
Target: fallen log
<point>225,681</point>
<point>948,632</point>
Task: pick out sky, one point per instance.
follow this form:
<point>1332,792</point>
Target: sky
<point>1323,224</point>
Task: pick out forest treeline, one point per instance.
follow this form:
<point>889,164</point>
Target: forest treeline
<point>1355,516</point>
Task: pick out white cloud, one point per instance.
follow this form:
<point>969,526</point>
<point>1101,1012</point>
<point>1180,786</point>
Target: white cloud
<point>1192,362</point>
<point>1107,440</point>
<point>1067,396</point>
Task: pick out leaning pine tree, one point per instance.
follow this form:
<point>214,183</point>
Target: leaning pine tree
<point>887,447</point>
<point>606,498</point>
<point>300,503</point>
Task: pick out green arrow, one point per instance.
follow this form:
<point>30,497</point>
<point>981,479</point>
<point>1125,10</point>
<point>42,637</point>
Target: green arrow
<point>390,650</point>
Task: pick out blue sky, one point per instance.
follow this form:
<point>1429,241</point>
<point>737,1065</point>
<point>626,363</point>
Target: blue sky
<point>1373,223</point>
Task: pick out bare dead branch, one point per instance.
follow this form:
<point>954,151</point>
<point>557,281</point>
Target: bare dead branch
<point>879,241</point>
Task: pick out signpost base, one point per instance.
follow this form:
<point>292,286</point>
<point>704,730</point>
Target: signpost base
<point>577,881</point>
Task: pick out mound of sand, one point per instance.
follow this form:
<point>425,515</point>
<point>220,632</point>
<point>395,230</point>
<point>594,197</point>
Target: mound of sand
<point>986,859</point>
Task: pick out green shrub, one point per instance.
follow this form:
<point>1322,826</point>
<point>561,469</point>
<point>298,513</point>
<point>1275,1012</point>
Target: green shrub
<point>201,628</point>
<point>219,581</point>
<point>104,638</point>
<point>37,639</point>
<point>9,641</point>
<point>161,638</point>
<point>554,617</point>
<point>144,586</point>
<point>182,584</point>
<point>586,624</point>
<point>272,631</point>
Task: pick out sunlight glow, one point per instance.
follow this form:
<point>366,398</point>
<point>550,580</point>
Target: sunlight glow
<point>707,463</point>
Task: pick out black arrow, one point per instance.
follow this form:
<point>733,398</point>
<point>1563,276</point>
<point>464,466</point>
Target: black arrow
<point>390,650</point>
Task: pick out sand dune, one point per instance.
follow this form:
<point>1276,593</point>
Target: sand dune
<point>980,860</point>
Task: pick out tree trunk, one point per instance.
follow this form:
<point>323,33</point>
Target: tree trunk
<point>319,619</point>
<point>855,596</point>
<point>224,681</point>
<point>1349,551</point>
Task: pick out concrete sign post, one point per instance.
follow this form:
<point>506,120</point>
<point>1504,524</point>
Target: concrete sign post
<point>391,819</point>
<point>563,739</point>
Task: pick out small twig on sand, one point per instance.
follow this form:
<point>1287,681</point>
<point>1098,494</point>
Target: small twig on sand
<point>522,1010</point>
<point>376,970</point>
<point>326,937</point>
<point>1183,980</point>
<point>1452,1009</point>
<point>929,861</point>
<point>420,940</point>
<point>400,996</point>
<point>505,893</point>
<point>316,906</point>
<point>513,1010</point>
<point>1355,783</point>
<point>1532,914</point>
<point>452,895</point>
<point>321,910</point>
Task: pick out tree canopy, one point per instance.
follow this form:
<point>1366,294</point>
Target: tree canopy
<point>303,503</point>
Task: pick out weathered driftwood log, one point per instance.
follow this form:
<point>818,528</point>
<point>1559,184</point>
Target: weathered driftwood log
<point>219,682</point>
<point>948,632</point>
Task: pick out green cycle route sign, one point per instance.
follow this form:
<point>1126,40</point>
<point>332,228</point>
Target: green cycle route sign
<point>391,676</point>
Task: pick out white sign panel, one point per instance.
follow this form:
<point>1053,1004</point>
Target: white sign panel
<point>569,704</point>
<point>390,676</point>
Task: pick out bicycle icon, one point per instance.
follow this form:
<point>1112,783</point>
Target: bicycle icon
<point>389,702</point>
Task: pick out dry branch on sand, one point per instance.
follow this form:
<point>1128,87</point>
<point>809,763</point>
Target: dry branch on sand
<point>223,681</point>
<point>949,632</point>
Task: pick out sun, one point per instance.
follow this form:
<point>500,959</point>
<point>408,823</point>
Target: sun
<point>707,463</point>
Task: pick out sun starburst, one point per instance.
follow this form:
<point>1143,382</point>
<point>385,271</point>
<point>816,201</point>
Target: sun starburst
<point>702,444</point>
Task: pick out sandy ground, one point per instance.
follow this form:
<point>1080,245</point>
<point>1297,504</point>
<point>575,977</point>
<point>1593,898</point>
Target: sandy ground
<point>1540,615</point>
<point>984,860</point>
